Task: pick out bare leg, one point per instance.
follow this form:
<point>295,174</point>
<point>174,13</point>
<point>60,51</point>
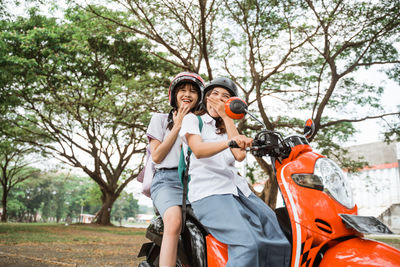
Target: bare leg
<point>172,225</point>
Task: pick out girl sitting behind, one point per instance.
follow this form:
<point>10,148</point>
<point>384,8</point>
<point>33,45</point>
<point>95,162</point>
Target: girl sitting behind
<point>185,94</point>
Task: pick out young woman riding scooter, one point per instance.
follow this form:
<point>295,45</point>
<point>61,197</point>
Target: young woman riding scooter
<point>220,198</point>
<point>185,94</point>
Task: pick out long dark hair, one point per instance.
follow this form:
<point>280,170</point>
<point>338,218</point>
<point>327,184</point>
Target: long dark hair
<point>172,111</point>
<point>219,122</point>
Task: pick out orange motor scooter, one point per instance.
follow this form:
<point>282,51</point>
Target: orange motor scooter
<point>319,217</point>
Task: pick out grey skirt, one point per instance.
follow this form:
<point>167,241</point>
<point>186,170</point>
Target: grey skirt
<point>249,228</point>
<point>166,190</point>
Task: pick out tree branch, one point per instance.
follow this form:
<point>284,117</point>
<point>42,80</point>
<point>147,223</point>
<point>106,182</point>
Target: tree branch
<point>360,119</point>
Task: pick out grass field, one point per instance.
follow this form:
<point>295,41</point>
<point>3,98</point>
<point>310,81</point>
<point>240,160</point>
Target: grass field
<point>34,245</point>
<point>72,245</point>
<point>11,234</point>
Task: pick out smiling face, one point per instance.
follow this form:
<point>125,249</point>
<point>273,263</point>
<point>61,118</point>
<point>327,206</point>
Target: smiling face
<point>187,94</point>
<point>220,94</point>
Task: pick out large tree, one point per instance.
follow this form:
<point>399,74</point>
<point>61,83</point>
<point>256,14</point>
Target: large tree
<point>309,64</point>
<point>89,88</point>
<point>183,28</point>
<point>297,55</point>
<point>16,156</point>
<point>14,168</point>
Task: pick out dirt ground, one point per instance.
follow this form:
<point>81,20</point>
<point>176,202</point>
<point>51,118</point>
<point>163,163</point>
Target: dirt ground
<point>80,247</point>
<point>119,250</point>
<point>121,253</point>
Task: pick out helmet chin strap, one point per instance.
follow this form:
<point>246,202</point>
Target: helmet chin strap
<point>215,118</point>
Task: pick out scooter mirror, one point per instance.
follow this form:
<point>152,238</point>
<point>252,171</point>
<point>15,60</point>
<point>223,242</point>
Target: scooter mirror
<point>309,128</point>
<point>235,108</point>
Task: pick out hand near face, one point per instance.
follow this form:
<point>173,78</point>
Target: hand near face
<point>180,113</point>
<point>217,104</point>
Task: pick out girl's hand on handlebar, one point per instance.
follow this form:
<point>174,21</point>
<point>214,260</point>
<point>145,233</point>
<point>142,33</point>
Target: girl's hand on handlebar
<point>241,141</point>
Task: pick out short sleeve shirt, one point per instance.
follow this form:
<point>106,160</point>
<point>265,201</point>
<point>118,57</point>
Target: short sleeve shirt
<point>158,130</point>
<point>212,175</point>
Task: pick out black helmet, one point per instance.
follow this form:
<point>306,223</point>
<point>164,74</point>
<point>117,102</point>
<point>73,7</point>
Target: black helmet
<point>183,77</point>
<point>223,82</point>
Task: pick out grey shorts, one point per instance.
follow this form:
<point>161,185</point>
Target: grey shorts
<point>166,190</point>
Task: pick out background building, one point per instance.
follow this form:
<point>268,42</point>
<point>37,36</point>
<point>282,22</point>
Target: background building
<point>376,188</point>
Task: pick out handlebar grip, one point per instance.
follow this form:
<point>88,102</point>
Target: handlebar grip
<point>233,144</point>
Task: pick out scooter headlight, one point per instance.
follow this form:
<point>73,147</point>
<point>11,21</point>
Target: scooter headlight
<point>334,181</point>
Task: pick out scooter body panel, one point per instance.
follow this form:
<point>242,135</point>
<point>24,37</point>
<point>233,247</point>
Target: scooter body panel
<point>319,236</point>
<point>217,252</point>
<point>313,213</point>
<point>361,252</point>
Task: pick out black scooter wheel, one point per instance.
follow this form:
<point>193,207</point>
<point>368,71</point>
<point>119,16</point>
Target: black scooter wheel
<point>144,264</point>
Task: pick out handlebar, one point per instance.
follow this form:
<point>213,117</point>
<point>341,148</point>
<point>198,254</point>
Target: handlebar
<point>233,144</point>
<point>266,143</point>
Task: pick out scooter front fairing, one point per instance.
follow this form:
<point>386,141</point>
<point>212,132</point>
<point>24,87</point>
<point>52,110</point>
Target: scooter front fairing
<point>325,232</point>
<point>361,252</point>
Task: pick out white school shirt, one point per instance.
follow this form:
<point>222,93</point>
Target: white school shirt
<point>215,175</point>
<point>158,130</point>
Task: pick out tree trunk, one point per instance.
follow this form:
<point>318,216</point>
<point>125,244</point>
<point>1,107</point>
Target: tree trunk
<point>4,204</point>
<point>103,217</point>
<point>270,191</point>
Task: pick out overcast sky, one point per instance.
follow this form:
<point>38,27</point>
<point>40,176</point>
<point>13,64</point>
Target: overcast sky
<point>370,130</point>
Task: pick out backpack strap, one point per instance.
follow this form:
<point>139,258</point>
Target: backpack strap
<point>183,169</point>
<point>200,128</point>
<point>183,162</point>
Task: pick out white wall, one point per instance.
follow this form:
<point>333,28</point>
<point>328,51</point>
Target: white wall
<point>375,190</point>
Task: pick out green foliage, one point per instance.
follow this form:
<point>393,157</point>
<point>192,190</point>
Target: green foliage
<point>87,87</point>
<point>92,200</point>
<point>86,76</point>
<point>250,173</point>
<point>79,195</point>
<point>29,195</point>
<point>55,196</point>
<point>392,130</point>
<point>311,64</point>
<point>14,169</point>
<point>145,210</point>
<point>15,207</point>
<point>126,206</point>
<point>394,73</point>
